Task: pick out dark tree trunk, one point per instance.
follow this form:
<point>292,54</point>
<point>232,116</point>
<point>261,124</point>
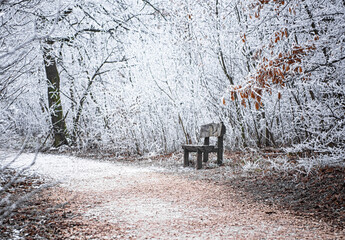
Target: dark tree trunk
<point>54,100</point>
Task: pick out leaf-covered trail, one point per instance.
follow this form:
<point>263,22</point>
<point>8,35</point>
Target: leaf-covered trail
<point>121,201</point>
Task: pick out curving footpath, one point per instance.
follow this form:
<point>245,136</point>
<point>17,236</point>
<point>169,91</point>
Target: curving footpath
<point>124,201</point>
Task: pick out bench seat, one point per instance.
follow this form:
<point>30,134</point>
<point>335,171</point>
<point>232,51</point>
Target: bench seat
<point>203,148</point>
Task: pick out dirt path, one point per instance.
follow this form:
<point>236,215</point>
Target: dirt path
<point>119,201</point>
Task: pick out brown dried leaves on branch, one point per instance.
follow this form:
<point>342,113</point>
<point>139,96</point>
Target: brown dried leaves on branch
<point>274,70</point>
<point>273,73</point>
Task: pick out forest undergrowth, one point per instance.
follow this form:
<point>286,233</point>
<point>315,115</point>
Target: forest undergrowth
<point>318,192</point>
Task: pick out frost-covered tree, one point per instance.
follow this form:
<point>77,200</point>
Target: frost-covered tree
<point>76,58</point>
<point>19,47</point>
<point>141,76</point>
<point>298,63</point>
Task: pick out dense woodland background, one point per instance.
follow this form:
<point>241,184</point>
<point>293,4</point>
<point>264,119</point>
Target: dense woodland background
<point>139,76</point>
<point>115,78</point>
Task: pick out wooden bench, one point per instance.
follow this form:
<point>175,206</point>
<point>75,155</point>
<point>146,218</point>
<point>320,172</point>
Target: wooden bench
<point>206,131</point>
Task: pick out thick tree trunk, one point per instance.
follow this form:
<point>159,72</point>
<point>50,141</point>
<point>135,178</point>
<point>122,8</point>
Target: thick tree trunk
<point>54,100</point>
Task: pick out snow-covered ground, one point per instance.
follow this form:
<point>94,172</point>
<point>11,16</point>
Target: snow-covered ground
<point>73,172</point>
<point>150,203</point>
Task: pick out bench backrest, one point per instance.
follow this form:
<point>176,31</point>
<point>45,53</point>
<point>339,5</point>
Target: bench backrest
<point>212,130</point>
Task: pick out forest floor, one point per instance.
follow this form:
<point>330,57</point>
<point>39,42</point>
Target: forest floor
<point>156,198</point>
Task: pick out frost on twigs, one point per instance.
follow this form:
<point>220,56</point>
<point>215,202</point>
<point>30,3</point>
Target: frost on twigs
<point>288,161</point>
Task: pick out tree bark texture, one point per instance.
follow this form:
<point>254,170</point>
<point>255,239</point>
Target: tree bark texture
<point>59,129</point>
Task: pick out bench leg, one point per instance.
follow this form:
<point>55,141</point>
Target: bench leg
<point>186,158</point>
<point>205,157</point>
<point>220,158</point>
<point>220,151</point>
<point>199,160</point>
